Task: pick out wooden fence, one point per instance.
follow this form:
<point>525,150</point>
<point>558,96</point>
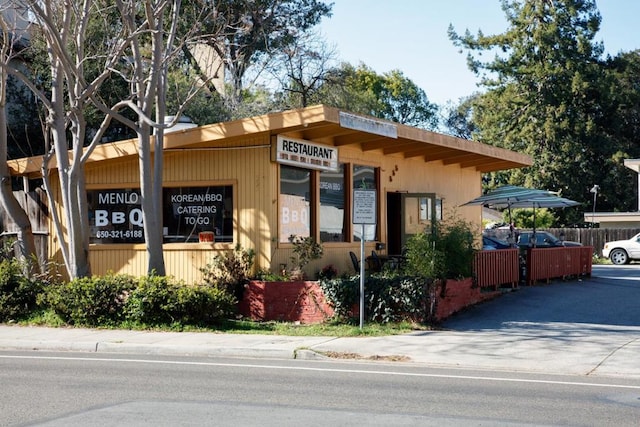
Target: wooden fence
<point>595,237</point>
<point>35,205</point>
<point>496,268</point>
<point>558,263</point>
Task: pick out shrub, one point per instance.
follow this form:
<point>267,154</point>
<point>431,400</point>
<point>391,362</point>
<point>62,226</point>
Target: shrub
<point>269,276</point>
<point>202,305</point>
<point>230,271</point>
<point>94,301</point>
<point>445,251</point>
<point>158,300</point>
<point>18,293</point>
<point>388,298</point>
<point>305,250</point>
<point>153,301</point>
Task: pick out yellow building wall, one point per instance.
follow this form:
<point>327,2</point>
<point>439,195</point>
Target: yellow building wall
<point>255,182</point>
<point>397,174</point>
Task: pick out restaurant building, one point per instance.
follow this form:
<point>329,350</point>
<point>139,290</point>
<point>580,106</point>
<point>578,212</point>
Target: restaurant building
<point>258,181</point>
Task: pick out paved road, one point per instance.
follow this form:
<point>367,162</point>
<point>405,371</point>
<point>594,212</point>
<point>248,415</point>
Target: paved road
<point>74,389</point>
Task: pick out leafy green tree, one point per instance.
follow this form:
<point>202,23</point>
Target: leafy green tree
<point>621,112</point>
<point>391,96</point>
<point>458,120</point>
<point>524,218</point>
<point>544,90</point>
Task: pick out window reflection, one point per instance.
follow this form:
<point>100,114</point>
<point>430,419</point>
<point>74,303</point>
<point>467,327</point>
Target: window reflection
<point>294,202</point>
<point>332,201</point>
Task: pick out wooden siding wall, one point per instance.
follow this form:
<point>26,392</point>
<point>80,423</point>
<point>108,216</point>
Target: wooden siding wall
<point>455,185</point>
<point>249,170</point>
<point>255,181</point>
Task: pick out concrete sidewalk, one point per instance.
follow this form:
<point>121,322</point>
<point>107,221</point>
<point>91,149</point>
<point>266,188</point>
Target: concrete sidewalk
<point>586,327</point>
<point>554,349</point>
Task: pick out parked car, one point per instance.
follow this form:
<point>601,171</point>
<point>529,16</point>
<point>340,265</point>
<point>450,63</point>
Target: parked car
<point>490,242</point>
<point>543,239</point>
<point>622,251</point>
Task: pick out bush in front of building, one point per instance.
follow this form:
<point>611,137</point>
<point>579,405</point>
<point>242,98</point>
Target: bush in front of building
<point>114,300</point>
<point>18,293</point>
<point>160,300</point>
<point>443,251</point>
<point>387,297</point>
<point>230,271</point>
<point>90,301</point>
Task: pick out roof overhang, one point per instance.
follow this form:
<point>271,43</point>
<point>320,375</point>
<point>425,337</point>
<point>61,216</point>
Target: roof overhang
<point>321,124</point>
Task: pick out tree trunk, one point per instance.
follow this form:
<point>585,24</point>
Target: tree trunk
<point>26,244</point>
<point>150,215</point>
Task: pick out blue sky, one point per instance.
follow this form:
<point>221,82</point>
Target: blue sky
<point>411,35</point>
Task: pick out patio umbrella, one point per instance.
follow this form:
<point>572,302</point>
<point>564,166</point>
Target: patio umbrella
<point>506,195</point>
<point>548,201</point>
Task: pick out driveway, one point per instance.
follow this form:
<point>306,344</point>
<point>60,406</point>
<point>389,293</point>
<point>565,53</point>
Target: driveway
<point>611,297</point>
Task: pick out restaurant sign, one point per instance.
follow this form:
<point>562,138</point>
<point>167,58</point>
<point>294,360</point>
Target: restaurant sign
<point>306,154</point>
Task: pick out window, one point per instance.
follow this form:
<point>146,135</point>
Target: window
<point>295,202</point>
<point>314,203</point>
<point>332,202</point>
<point>115,216</point>
<point>189,211</point>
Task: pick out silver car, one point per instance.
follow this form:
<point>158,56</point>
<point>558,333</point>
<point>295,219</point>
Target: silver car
<point>622,251</point>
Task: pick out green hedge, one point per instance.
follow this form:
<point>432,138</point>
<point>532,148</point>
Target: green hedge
<point>150,300</point>
<point>18,294</point>
<point>388,298</point>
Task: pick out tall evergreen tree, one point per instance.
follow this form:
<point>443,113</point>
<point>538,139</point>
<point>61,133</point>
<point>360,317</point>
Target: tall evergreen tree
<point>544,93</point>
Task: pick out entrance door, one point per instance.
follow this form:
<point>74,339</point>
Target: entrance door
<point>409,214</point>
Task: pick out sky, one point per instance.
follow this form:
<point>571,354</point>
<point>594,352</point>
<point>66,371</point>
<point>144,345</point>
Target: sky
<point>411,35</point>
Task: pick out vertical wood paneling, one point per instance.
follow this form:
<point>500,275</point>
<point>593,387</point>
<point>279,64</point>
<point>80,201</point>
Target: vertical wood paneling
<point>248,169</point>
<point>255,180</point>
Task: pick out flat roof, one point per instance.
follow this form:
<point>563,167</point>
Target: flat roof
<point>322,124</point>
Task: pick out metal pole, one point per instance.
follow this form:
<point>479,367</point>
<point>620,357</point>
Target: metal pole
<point>362,261</point>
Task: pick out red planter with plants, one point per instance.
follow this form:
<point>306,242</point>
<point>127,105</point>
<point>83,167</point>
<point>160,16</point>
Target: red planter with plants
<point>295,301</point>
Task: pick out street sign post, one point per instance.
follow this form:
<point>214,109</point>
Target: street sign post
<point>364,212</point>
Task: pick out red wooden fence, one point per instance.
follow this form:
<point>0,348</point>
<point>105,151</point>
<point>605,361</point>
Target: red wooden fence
<point>552,263</point>
<point>496,267</point>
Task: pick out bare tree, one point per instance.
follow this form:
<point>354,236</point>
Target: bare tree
<point>62,26</point>
<point>138,41</point>
<point>245,31</point>
<point>152,28</point>
<point>10,46</point>
<point>302,67</point>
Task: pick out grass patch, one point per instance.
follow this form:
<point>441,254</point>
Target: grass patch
<point>331,328</point>
<point>601,261</point>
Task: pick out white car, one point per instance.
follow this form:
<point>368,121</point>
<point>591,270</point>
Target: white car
<point>622,251</point>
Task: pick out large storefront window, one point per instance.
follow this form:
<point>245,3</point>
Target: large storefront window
<point>191,214</point>
<point>295,201</point>
<point>313,203</point>
<point>364,178</point>
<point>332,202</point>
